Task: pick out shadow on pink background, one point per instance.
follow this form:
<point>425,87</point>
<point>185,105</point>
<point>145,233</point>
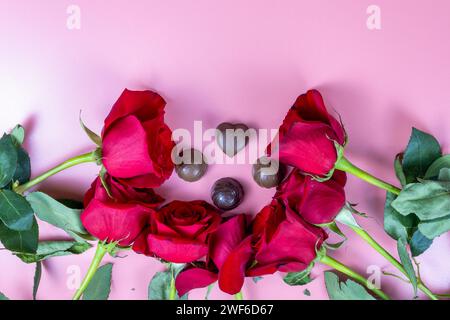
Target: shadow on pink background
<point>221,61</point>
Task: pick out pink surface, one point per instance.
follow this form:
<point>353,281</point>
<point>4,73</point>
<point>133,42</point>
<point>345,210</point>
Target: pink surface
<point>221,61</point>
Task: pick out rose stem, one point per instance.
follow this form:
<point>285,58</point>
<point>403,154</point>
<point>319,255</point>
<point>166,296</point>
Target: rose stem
<point>99,254</point>
<point>374,244</point>
<point>239,296</point>
<point>172,288</point>
<point>352,274</point>
<point>344,165</point>
<point>84,158</point>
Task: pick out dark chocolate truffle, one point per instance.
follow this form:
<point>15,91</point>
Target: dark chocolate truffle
<point>193,165</point>
<point>268,173</point>
<point>227,193</point>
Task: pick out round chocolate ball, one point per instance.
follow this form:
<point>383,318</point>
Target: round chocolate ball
<point>227,193</point>
<point>193,165</point>
<point>268,173</point>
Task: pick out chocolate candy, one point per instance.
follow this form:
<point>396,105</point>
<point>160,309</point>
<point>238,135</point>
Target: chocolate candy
<point>193,165</point>
<point>268,173</point>
<point>227,193</point>
<point>231,137</point>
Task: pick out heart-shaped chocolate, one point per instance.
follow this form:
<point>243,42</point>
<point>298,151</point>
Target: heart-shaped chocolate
<point>232,137</point>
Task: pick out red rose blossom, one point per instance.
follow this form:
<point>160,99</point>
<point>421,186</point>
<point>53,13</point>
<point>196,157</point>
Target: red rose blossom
<point>283,241</point>
<point>307,136</point>
<point>119,216</point>
<point>317,202</point>
<point>137,144</point>
<point>179,231</point>
<point>230,254</point>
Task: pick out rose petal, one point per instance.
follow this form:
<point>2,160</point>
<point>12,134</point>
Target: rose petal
<point>232,272</point>
<point>143,104</point>
<point>226,238</point>
<point>175,249</point>
<point>262,270</point>
<point>194,278</point>
<point>340,177</point>
<point>310,107</point>
<point>293,241</point>
<point>114,221</point>
<point>321,201</point>
<point>140,244</point>
<point>125,149</point>
<point>309,148</point>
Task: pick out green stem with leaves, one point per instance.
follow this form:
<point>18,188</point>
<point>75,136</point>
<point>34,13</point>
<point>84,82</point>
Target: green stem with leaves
<point>84,158</point>
<point>374,244</point>
<point>98,257</point>
<point>345,165</point>
<point>333,263</point>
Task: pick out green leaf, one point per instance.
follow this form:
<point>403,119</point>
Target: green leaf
<point>3,297</point>
<point>407,264</point>
<point>423,149</point>
<point>18,135</point>
<point>299,278</point>
<point>434,169</point>
<point>427,200</point>
<point>100,285</point>
<point>91,134</point>
<point>399,169</point>
<point>348,290</point>
<point>37,279</point>
<point>333,227</point>
<point>396,225</point>
<point>49,249</point>
<point>444,175</point>
<point>419,243</point>
<point>20,241</point>
<point>159,286</point>
<point>8,160</point>
<point>57,214</point>
<point>434,228</point>
<point>23,169</point>
<point>15,212</point>
<point>346,217</point>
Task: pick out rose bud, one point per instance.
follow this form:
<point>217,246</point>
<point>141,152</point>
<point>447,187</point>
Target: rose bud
<point>283,241</point>
<point>119,216</point>
<point>230,254</point>
<point>308,136</point>
<point>136,143</point>
<point>316,202</point>
<point>179,231</point>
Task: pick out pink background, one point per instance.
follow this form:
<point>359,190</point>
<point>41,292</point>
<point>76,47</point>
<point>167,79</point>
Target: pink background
<point>235,60</point>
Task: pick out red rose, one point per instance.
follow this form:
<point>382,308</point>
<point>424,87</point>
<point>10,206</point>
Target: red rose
<point>230,254</point>
<point>317,202</point>
<point>179,231</point>
<point>120,216</point>
<point>283,241</point>
<point>308,134</point>
<point>137,144</point>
